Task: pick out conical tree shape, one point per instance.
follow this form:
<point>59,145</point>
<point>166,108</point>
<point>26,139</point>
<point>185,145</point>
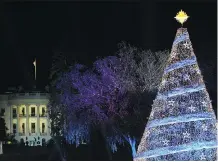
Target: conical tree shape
<point>182,124</point>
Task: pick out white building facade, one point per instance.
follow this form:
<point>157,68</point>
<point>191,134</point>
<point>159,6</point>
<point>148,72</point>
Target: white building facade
<point>26,116</point>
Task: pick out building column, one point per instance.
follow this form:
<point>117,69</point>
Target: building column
<point>18,120</point>
<point>27,120</point>
<point>38,121</point>
<point>11,121</point>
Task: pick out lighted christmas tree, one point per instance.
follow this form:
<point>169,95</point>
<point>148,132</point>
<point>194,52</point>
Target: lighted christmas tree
<point>182,124</point>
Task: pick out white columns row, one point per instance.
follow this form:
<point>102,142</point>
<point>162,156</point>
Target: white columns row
<point>27,121</point>
<point>38,121</point>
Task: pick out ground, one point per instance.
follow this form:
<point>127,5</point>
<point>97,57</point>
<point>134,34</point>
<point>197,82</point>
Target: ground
<point>82,153</point>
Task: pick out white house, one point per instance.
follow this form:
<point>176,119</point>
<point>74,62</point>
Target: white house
<point>26,116</point>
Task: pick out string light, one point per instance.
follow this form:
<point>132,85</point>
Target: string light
<point>182,123</point>
<point>186,151</point>
<point>181,64</point>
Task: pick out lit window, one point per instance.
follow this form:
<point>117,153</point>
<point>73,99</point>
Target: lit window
<point>23,111</point>
<point>23,127</point>
<point>14,128</point>
<point>33,113</point>
<point>14,112</point>
<point>43,127</point>
<point>43,111</point>
<point>33,127</point>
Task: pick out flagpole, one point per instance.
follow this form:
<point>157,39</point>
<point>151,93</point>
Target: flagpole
<point>35,69</point>
<point>34,63</point>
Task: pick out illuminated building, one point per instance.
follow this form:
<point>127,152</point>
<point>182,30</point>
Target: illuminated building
<point>26,116</point>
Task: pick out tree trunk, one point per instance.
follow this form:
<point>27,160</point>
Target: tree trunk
<point>132,143</point>
<point>103,131</point>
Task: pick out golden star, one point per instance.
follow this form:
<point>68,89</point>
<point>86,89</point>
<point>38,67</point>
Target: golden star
<point>181,17</point>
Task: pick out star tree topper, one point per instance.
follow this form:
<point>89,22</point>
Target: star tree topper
<point>181,17</point>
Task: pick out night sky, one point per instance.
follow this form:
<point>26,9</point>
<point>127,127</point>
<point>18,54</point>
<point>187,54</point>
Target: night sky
<point>86,30</point>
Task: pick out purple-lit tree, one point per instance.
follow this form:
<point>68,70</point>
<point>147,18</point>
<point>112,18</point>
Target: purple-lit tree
<point>89,99</point>
<point>102,96</point>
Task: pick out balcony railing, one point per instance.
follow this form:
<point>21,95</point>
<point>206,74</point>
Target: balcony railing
<point>32,134</point>
<point>33,115</point>
<point>43,134</point>
<point>22,115</point>
<point>28,95</point>
<point>21,134</point>
<point>43,115</point>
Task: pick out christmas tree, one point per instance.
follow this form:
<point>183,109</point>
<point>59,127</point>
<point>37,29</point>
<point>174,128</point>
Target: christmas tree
<point>182,124</point>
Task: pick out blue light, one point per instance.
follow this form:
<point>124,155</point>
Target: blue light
<point>181,38</point>
<point>177,149</point>
<point>180,64</point>
<point>180,119</point>
<point>181,91</point>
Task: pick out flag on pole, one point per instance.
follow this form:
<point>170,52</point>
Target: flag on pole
<point>34,63</point>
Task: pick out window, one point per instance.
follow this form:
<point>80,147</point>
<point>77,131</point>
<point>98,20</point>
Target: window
<point>23,127</point>
<point>33,113</point>
<point>33,127</point>
<point>23,111</point>
<point>14,112</point>
<point>14,128</point>
<point>43,111</point>
<point>43,127</point>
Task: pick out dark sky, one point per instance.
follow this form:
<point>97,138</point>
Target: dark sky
<point>83,31</point>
